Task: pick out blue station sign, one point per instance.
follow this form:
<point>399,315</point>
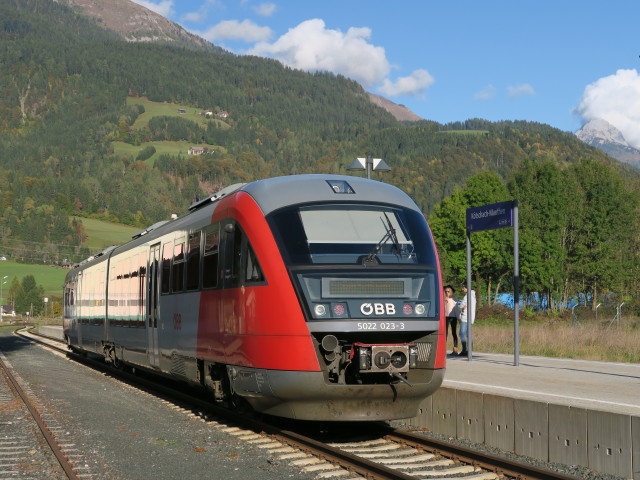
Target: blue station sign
<point>490,217</point>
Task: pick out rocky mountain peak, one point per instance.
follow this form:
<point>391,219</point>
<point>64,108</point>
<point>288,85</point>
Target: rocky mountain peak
<point>135,23</point>
<point>599,131</point>
<point>601,134</point>
<point>400,112</point>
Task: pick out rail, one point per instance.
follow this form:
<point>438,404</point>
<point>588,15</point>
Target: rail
<point>28,402</point>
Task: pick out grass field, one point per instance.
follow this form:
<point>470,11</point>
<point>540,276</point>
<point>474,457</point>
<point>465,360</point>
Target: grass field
<point>51,278</point>
<point>100,235</point>
<point>548,336</point>
<point>157,109</point>
<point>589,341</point>
<point>104,234</point>
<point>162,148</point>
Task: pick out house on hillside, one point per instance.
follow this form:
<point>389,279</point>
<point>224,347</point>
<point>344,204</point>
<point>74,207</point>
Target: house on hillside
<point>195,150</point>
<point>7,311</point>
<point>222,115</point>
<point>182,110</point>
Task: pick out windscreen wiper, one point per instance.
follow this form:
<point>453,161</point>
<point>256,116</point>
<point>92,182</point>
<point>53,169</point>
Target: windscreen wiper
<point>390,234</point>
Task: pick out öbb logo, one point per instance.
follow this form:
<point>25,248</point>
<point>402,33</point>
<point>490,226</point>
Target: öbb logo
<point>377,309</point>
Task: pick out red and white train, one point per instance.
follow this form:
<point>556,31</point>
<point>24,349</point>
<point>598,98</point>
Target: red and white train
<point>313,297</point>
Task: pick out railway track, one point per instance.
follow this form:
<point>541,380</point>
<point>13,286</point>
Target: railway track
<point>25,450</point>
<point>379,452</point>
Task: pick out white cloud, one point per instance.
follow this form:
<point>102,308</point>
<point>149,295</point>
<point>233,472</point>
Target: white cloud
<point>202,13</point>
<point>312,47</point>
<point>164,8</point>
<point>415,84</point>
<point>196,17</point>
<point>246,31</point>
<point>519,90</point>
<point>265,9</point>
<point>616,99</point>
<point>487,93</point>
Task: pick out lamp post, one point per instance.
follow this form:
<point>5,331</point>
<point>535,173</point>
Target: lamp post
<point>2,282</point>
<point>368,164</point>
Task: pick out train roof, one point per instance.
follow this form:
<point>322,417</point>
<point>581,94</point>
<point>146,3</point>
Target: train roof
<point>274,193</point>
<point>277,192</point>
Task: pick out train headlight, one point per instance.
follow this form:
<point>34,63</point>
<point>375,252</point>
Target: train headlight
<point>320,310</point>
<point>407,309</point>
<point>420,309</point>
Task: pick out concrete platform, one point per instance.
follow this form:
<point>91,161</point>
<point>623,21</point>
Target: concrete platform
<point>604,386</point>
<point>571,412</point>
<point>51,331</point>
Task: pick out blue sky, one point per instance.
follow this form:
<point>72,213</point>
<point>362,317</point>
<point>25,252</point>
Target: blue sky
<point>556,62</point>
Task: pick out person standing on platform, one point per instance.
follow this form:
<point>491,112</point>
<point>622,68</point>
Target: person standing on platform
<point>468,299</point>
<point>452,313</point>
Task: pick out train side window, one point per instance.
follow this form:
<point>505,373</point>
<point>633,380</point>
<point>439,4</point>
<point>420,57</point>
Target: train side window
<point>193,262</point>
<point>167,253</point>
<point>125,268</point>
<point>211,257</point>
<point>142,291</point>
<point>177,272</point>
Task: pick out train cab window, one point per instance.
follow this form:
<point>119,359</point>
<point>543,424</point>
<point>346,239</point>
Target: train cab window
<point>177,271</point>
<point>236,258</point>
<point>245,268</point>
<point>68,294</point>
<point>193,262</point>
<point>350,234</point>
<point>211,257</point>
<point>167,253</point>
<point>253,272</point>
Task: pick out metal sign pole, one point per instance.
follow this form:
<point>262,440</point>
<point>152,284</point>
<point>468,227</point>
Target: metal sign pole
<point>470,306</point>
<point>516,287</point>
<point>489,217</point>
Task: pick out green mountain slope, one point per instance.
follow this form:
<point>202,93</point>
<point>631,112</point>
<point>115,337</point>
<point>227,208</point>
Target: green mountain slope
<point>81,133</point>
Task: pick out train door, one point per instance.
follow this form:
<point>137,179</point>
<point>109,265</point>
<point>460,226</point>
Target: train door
<point>78,310</point>
<point>152,305</point>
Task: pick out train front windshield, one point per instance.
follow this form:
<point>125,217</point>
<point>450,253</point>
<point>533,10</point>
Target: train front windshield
<point>347,258</point>
<point>353,234</point>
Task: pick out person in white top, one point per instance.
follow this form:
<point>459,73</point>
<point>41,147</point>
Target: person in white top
<point>452,313</point>
<point>464,316</point>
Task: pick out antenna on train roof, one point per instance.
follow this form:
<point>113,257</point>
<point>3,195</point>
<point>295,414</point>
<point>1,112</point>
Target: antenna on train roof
<point>216,196</point>
<point>148,229</point>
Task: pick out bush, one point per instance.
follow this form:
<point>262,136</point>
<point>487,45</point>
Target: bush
<point>146,152</point>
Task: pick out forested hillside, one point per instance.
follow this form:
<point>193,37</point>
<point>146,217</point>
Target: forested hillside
<point>70,144</point>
